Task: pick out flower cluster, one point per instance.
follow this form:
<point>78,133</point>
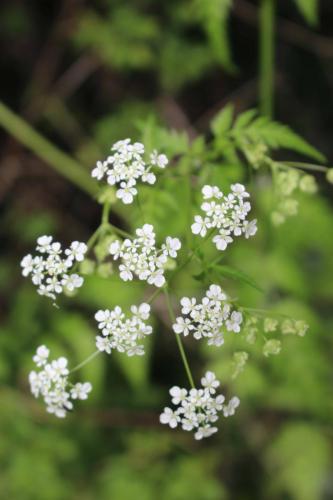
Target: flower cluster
<point>51,382</point>
<point>126,166</point>
<point>226,214</point>
<point>198,408</point>
<point>50,271</point>
<point>121,333</point>
<point>141,257</point>
<point>209,318</point>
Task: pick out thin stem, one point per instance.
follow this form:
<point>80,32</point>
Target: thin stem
<point>123,233</point>
<point>304,166</point>
<point>179,341</point>
<point>87,360</point>
<point>105,214</point>
<point>53,156</point>
<point>266,57</point>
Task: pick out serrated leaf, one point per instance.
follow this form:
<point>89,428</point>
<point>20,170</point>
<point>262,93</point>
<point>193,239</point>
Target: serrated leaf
<point>223,121</point>
<point>244,119</point>
<point>309,9</point>
<point>275,135</point>
<point>236,274</point>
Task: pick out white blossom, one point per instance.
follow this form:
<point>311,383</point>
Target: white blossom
<point>51,382</point>
<point>126,166</point>
<point>41,355</point>
<point>142,258</point>
<point>197,409</point>
<point>231,407</point>
<point>210,318</point>
<point>123,333</point>
<point>226,214</point>
<point>50,271</point>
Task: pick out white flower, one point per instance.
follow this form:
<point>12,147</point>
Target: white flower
<point>172,245</point>
<point>209,382</point>
<point>123,333</point>
<point>41,355</point>
<point>100,170</point>
<point>169,417</point>
<point>103,344</point>
<point>126,193</point>
<point>250,228</point>
<point>177,394</point>
<point>196,410</point>
<point>231,407</point>
<point>140,256</point>
<point>222,239</point>
<point>50,271</point>
<point>208,319</point>
<point>44,243</point>
<point>227,214</point>
<point>183,326</point>
<point>77,251</point>
<point>27,264</point>
<point>126,166</point>
<point>233,324</point>
<point>81,391</point>
<point>73,281</point>
<point>200,225</point>
<point>51,382</point>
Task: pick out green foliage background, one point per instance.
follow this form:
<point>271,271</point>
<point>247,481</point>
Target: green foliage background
<point>145,63</point>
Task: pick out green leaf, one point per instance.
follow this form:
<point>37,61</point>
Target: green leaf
<point>223,120</point>
<point>231,272</point>
<point>214,15</point>
<point>272,134</point>
<point>309,9</point>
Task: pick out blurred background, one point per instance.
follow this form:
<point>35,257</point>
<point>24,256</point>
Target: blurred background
<point>85,74</point>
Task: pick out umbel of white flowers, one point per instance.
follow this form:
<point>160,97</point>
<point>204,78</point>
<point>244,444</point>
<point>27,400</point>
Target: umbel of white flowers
<point>126,166</point>
<point>121,333</point>
<point>50,271</point>
<point>208,319</point>
<point>227,214</point>
<point>141,257</point>
<point>51,382</point>
<point>198,409</point>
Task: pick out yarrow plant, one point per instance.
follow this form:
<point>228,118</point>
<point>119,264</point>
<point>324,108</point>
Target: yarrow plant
<point>198,409</point>
<point>126,166</point>
<point>208,319</point>
<point>141,257</point>
<point>51,270</point>
<point>225,214</point>
<point>212,318</point>
<point>121,333</point>
<point>51,382</point>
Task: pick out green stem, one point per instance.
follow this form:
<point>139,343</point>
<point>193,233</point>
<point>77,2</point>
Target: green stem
<point>179,341</point>
<point>304,166</point>
<point>266,57</point>
<point>58,160</point>
<point>87,360</point>
<point>105,214</point>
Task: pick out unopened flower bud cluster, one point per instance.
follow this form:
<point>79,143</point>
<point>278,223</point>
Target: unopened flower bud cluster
<point>208,319</point>
<point>287,182</point>
<point>126,166</point>
<point>227,214</point>
<point>197,409</point>
<point>50,270</point>
<point>141,257</point>
<point>123,334</point>
<point>51,382</point>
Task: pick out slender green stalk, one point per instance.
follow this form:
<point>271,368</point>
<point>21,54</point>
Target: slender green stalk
<point>53,156</point>
<point>304,166</point>
<point>266,57</point>
<point>87,360</point>
<point>105,214</point>
<point>179,341</point>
